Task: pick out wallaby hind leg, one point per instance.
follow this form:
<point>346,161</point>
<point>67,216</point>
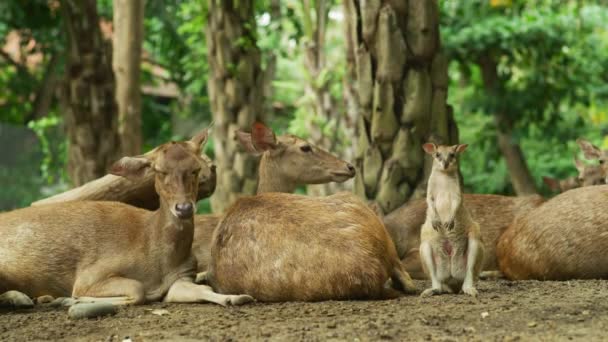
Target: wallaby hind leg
<point>401,280</point>
<point>185,291</point>
<point>474,263</point>
<point>426,256</point>
<point>15,300</point>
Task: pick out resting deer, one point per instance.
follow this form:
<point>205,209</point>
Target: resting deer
<point>593,152</point>
<point>110,251</point>
<point>564,238</point>
<point>286,162</point>
<point>451,249</point>
<point>284,247</point>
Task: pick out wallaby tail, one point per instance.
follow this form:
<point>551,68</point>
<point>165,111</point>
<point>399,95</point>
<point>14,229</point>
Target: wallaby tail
<point>401,280</point>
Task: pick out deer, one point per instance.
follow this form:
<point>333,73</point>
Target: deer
<point>280,247</point>
<point>110,252</point>
<point>286,162</point>
<point>593,152</point>
<point>451,250</point>
<point>564,238</point>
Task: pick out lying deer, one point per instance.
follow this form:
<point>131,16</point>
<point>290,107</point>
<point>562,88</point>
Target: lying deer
<point>286,162</point>
<point>110,251</point>
<point>593,152</point>
<point>564,238</point>
<point>284,247</point>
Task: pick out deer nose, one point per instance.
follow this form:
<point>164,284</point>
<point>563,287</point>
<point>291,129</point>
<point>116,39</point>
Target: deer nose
<point>184,210</point>
<point>350,168</point>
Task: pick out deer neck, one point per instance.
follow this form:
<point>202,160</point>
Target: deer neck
<point>270,178</point>
<point>169,232</point>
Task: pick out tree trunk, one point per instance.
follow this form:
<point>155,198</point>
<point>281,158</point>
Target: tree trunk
<point>402,89</point>
<point>88,95</point>
<point>521,178</point>
<point>126,62</point>
<point>236,84</point>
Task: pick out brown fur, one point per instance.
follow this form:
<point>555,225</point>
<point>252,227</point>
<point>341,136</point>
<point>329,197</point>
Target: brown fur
<point>108,250</point>
<point>493,213</point>
<point>284,165</point>
<point>564,238</point>
<point>283,247</point>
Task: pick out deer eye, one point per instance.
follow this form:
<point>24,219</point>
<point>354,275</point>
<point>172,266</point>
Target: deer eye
<point>306,148</point>
<point>451,155</point>
<point>601,161</point>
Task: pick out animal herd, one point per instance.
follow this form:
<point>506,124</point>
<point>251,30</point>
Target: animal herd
<point>277,246</point>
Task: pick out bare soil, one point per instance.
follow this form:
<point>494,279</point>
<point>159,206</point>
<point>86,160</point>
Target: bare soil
<point>504,311</point>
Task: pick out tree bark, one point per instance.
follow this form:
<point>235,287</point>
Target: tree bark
<point>401,80</point>
<point>88,95</point>
<point>126,63</point>
<point>521,177</point>
<point>236,85</point>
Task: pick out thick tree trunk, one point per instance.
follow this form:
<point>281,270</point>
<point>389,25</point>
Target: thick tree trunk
<point>88,95</point>
<point>402,89</point>
<point>236,85</point>
<point>521,177</point>
<point>126,62</point>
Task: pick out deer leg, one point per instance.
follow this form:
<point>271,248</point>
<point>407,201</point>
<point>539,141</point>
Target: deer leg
<point>426,256</point>
<point>15,300</point>
<point>202,278</point>
<point>474,261</point>
<point>185,291</point>
<point>115,290</point>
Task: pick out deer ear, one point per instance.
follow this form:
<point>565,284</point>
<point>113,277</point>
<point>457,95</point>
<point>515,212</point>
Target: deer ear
<point>589,150</point>
<point>262,137</point>
<point>580,166</point>
<point>244,139</point>
<point>130,167</point>
<point>429,148</point>
<point>460,148</point>
<point>198,141</point>
<point>552,183</point>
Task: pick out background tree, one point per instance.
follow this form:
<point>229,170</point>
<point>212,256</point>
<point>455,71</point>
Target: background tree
<point>88,95</point>
<point>236,85</point>
<point>126,62</point>
<point>402,88</point>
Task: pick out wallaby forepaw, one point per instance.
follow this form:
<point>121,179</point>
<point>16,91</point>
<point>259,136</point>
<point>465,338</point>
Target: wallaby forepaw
<point>449,225</point>
<point>471,291</point>
<point>436,224</point>
<point>430,292</point>
<point>15,300</point>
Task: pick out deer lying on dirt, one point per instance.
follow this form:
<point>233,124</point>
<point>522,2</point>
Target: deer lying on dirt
<point>564,238</point>
<point>284,247</point>
<point>110,252</point>
<point>286,162</point>
<point>451,249</point>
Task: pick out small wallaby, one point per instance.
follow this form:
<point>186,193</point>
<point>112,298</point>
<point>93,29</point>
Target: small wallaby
<point>451,249</point>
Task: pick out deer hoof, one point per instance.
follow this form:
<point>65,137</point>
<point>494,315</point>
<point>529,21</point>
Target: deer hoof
<point>239,300</point>
<point>91,310</point>
<point>15,300</point>
<point>202,278</point>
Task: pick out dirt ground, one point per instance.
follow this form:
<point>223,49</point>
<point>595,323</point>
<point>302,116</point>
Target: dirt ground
<point>505,311</point>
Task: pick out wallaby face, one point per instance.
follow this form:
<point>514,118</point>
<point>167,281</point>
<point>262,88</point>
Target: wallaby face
<point>593,152</point>
<point>445,158</point>
<point>294,159</point>
<point>178,166</point>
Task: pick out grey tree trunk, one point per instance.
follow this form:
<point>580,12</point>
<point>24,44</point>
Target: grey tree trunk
<point>126,62</point>
<point>88,95</point>
<point>402,89</point>
<point>521,177</point>
<point>236,85</point>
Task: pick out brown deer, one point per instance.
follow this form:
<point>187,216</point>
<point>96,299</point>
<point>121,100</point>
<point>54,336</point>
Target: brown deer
<point>284,247</point>
<point>286,162</point>
<point>451,248</point>
<point>593,152</point>
<point>110,251</point>
<point>564,238</point>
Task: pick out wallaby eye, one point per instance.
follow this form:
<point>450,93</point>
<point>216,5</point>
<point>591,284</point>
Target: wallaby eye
<point>306,148</point>
<point>436,155</point>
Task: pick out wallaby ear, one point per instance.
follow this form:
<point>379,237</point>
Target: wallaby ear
<point>262,137</point>
<point>198,141</point>
<point>552,183</point>
<point>244,140</point>
<point>460,148</point>
<point>130,167</point>
<point>580,166</point>
<point>429,148</point>
<point>589,150</point>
